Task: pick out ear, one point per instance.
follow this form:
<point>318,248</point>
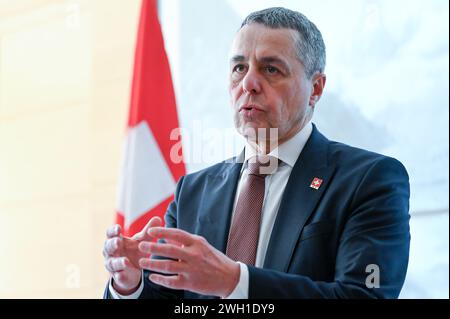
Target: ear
<point>318,86</point>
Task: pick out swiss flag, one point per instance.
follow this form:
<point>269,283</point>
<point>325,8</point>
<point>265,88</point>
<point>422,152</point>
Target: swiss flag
<point>148,176</point>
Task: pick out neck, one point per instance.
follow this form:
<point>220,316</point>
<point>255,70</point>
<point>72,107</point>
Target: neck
<point>267,145</point>
<point>264,146</point>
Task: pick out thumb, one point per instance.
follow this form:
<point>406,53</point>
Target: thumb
<point>143,235</point>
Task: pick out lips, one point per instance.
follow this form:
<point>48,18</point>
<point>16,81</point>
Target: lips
<point>250,113</point>
<point>250,108</point>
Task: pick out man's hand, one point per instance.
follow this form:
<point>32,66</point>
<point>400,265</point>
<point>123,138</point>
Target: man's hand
<point>122,256</point>
<point>197,267</point>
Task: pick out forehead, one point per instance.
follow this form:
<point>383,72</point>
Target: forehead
<point>258,40</point>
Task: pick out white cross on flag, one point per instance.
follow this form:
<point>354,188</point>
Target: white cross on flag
<point>148,175</point>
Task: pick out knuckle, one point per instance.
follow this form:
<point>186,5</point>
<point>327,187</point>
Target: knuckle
<point>115,244</point>
<point>199,239</point>
<point>108,264</point>
<point>112,264</point>
<point>109,246</point>
<point>111,231</point>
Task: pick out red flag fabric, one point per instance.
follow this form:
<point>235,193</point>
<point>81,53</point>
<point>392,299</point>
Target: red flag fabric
<point>148,175</point>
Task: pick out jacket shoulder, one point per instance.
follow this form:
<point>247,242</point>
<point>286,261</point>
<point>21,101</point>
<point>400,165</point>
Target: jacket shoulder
<point>343,155</point>
<point>217,169</point>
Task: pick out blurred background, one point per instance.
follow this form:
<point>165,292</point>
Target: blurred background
<point>65,80</point>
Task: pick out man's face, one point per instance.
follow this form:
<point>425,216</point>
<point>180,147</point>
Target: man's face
<point>268,84</point>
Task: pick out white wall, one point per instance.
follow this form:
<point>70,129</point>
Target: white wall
<point>65,78</point>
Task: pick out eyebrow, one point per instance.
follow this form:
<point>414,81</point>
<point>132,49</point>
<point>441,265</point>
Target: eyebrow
<point>273,59</point>
<point>237,58</point>
<point>268,59</point>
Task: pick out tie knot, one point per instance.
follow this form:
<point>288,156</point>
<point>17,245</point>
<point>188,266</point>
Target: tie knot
<point>262,165</point>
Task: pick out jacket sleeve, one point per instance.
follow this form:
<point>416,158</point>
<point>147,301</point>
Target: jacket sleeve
<point>373,250</point>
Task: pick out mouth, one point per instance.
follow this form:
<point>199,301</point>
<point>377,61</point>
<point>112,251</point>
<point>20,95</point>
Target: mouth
<point>250,113</point>
<point>250,108</point>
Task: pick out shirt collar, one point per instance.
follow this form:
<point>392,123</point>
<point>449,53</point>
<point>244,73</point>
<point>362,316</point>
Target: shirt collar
<point>289,151</point>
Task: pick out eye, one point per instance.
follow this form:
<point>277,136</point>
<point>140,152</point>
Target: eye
<point>271,69</point>
<point>240,68</point>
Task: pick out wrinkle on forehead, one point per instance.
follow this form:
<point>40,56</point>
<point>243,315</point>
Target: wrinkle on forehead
<point>258,41</point>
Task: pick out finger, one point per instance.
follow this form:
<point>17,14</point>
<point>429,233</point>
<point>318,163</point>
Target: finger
<point>162,266</point>
<point>174,242</point>
<point>175,234</point>
<point>173,282</point>
<point>112,246</point>
<point>117,264</point>
<point>154,222</point>
<point>105,254</point>
<point>164,250</point>
<point>113,231</point>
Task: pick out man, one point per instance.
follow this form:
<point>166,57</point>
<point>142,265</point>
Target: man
<point>330,221</point>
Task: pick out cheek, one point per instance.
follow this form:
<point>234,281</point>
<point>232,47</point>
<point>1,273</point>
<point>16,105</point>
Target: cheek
<point>233,92</point>
<point>296,101</point>
<point>281,105</point>
<point>287,108</point>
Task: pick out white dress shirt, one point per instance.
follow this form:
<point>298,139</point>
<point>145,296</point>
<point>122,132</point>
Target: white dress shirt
<point>275,183</point>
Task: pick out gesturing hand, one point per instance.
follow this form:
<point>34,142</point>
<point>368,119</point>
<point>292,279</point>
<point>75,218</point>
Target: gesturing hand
<point>197,266</point>
<point>122,256</point>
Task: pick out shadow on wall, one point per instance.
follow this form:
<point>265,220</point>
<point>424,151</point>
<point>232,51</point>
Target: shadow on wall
<point>205,44</point>
<point>344,123</point>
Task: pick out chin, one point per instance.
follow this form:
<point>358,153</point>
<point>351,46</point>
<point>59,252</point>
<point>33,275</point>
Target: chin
<point>250,130</point>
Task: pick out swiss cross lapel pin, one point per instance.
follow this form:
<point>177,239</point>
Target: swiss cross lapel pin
<point>316,183</point>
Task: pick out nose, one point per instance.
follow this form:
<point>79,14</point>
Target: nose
<point>251,83</point>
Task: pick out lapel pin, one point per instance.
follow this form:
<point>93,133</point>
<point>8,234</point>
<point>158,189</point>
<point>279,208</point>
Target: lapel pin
<point>316,183</point>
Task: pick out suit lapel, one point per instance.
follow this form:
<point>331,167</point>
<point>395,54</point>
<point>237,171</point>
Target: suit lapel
<point>217,204</point>
<point>299,201</point>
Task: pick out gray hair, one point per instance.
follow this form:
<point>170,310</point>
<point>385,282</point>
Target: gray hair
<point>310,46</point>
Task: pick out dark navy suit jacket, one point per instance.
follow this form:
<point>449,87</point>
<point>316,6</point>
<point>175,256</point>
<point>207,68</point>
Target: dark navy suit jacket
<point>324,242</point>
